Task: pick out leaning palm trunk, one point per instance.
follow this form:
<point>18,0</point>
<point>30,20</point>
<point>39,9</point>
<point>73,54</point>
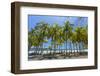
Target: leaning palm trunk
<point>42,49</point>
<point>70,47</point>
<point>36,50</point>
<point>54,48</point>
<point>66,48</point>
<point>74,49</point>
<point>77,49</point>
<point>82,47</point>
<point>59,49</point>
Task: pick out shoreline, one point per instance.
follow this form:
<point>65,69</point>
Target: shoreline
<point>57,56</point>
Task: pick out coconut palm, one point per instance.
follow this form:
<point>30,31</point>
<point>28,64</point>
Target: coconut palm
<point>33,40</point>
<point>78,38</point>
<point>74,41</point>
<point>60,39</point>
<point>31,36</point>
<point>67,33</point>
<point>84,36</point>
<point>54,35</point>
<point>42,27</point>
<point>81,34</point>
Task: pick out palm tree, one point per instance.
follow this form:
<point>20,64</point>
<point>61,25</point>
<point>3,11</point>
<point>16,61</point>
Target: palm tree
<point>60,39</point>
<point>31,37</point>
<point>55,35</point>
<point>50,36</point>
<point>74,41</point>
<point>78,38</point>
<point>33,40</point>
<point>81,34</point>
<point>84,36</point>
<point>67,33</point>
<point>42,27</point>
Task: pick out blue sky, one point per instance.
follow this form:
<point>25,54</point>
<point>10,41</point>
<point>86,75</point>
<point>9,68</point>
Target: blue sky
<point>34,19</point>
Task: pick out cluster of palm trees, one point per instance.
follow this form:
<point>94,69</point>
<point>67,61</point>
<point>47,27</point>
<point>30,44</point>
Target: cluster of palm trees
<point>73,38</point>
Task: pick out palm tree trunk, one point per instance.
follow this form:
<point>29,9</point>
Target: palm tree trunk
<point>71,46</point>
<point>74,48</point>
<point>82,47</point>
<point>36,50</point>
<point>59,49</point>
<point>54,48</point>
<point>42,50</point>
<point>77,47</point>
<point>66,48</point>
